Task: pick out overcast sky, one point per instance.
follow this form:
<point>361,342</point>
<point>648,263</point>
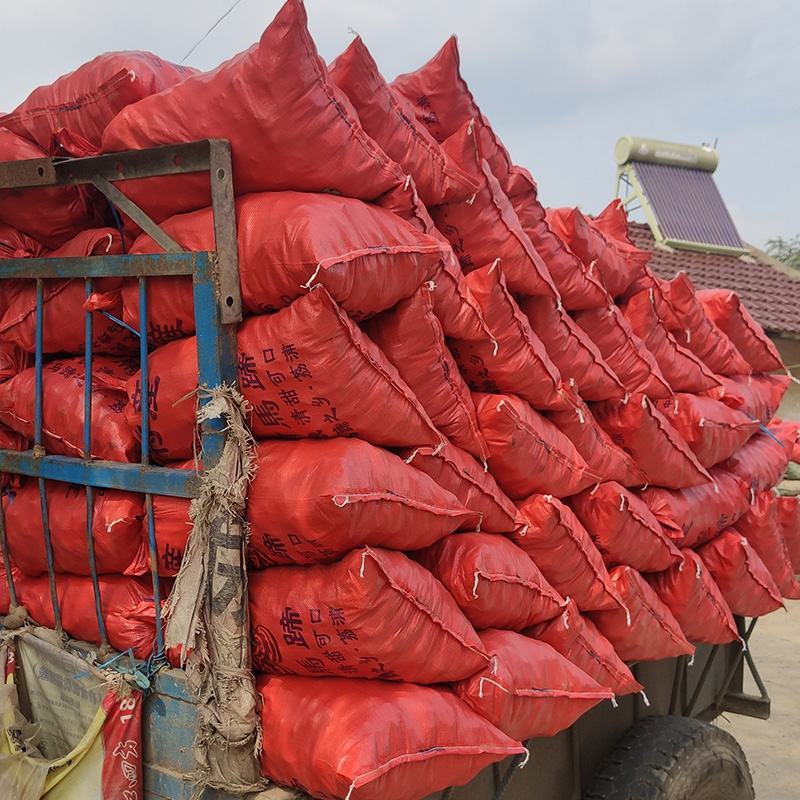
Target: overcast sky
<point>560,81</point>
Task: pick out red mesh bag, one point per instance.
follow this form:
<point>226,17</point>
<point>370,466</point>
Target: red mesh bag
<point>12,360</point>
<point>616,267</point>
<point>64,302</point>
<point>789,521</point>
<point>762,528</point>
<point>119,543</point>
<point>411,338</point>
<point>623,350</point>
<point>681,368</point>
<point>742,577</point>
<point>62,408</point>
<point>289,127</point>
<point>578,286</point>
<point>459,473</point>
<point>642,430</point>
<point>527,453</point>
<point>443,103</point>
<point>52,214</point>
<point>389,119</point>
<point>485,227</point>
<point>756,395</point>
<point>726,311</point>
<point>374,614</point>
<point>495,583</point>
<point>695,600</point>
<point>351,494</point>
<point>366,257</point>
<point>373,740</point>
<point>712,430</point>
<point>576,637</point>
<point>529,690</point>
<point>85,100</point>
<point>515,360</point>
<point>128,609</point>
<point>563,551</point>
<point>645,629</point>
<point>604,458</point>
<point>623,529</point>
<point>575,355</point>
<point>695,515</point>
<point>761,462</point>
<point>279,356</point>
<point>694,330</point>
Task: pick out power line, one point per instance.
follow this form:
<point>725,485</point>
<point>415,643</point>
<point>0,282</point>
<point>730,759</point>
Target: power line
<point>209,31</point>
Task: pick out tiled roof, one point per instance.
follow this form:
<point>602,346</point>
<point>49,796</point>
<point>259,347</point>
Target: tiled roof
<point>768,289</point>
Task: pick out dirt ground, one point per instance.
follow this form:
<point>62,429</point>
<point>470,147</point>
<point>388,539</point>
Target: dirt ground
<point>773,747</point>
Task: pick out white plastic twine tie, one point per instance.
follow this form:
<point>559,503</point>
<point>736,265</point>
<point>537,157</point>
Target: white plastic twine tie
<point>485,465</point>
<point>495,347</point>
<point>581,416</point>
<point>478,526</point>
<point>411,457</point>
<point>560,307</point>
<point>744,644</point>
<point>471,200</point>
<point>310,282</point>
<point>644,401</point>
<point>132,75</point>
<point>523,531</point>
<point>494,265</point>
<point>622,502</point>
<point>716,488</point>
<point>592,265</point>
<point>652,295</point>
<point>475,583</point>
<point>752,495</point>
<point>691,661</point>
<point>676,409</point>
<point>407,183</point>
<point>572,383</point>
<point>431,285</point>
<point>702,422</point>
<point>526,759</point>
<point>340,500</point>
<point>645,486</point>
<point>645,699</point>
<point>363,562</point>
<point>626,398</point>
<point>350,790</point>
<point>439,447</point>
<point>595,488</point>
<point>688,335</point>
<point>111,241</point>
<point>614,703</point>
<point>698,571</point>
<point>565,616</point>
<point>548,498</point>
<point>471,127</point>
<point>627,616</point>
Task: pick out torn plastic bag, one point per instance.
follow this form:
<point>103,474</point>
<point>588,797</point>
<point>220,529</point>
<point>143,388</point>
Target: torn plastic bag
<point>495,584</point>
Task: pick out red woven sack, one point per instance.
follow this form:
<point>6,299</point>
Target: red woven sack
<point>351,494</point>
<point>616,269</point>
<point>604,458</point>
<point>527,453</point>
<point>575,355</point>
<point>307,370</point>
<point>374,614</point>
<point>119,544</point>
<point>762,528</point>
<point>578,286</point>
<point>373,740</point>
<point>11,440</point>
<point>128,610</point>
<point>760,463</point>
<point>789,435</point>
<point>713,430</point>
<point>645,630</point>
<point>756,395</point>
<point>459,473</point>
<point>623,350</point>
<point>51,214</point>
<point>694,330</point>
<point>529,690</point>
<point>85,100</point>
<point>576,637</point>
<point>15,244</point>
<point>367,258</point>
<point>789,521</point>
<point>64,302</point>
<point>624,529</point>
<point>681,368</point>
<point>389,119</point>
<point>563,551</point>
<point>726,311</point>
<point>288,126</point>
<point>411,338</point>
<point>742,577</point>
<point>493,582</point>
<point>695,515</point>
<point>62,414</point>
<point>612,222</point>
<point>485,227</point>
<point>695,600</point>
<point>642,430</point>
<point>515,360</point>
<point>12,360</point>
<point>443,103</point>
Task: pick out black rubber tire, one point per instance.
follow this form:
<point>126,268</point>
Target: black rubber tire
<point>674,758</point>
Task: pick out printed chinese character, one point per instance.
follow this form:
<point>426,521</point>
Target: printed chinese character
<point>292,625</point>
<point>334,655</point>
<point>347,635</point>
<point>300,417</point>
<point>269,355</point>
<point>289,397</point>
<point>171,558</point>
<point>321,639</point>
<point>315,665</point>
<point>275,547</point>
<point>336,616</point>
<point>315,615</point>
<point>289,352</point>
<point>248,377</point>
<point>300,371</point>
<point>267,413</point>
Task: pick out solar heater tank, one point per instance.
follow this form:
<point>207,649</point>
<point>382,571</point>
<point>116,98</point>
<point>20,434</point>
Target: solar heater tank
<point>654,151</point>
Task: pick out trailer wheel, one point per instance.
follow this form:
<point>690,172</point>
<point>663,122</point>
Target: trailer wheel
<point>674,758</point>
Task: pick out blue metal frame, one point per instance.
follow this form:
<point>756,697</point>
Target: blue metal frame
<point>217,308</point>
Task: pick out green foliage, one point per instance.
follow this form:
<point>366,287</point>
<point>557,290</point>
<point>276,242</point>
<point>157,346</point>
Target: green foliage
<point>786,250</point>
